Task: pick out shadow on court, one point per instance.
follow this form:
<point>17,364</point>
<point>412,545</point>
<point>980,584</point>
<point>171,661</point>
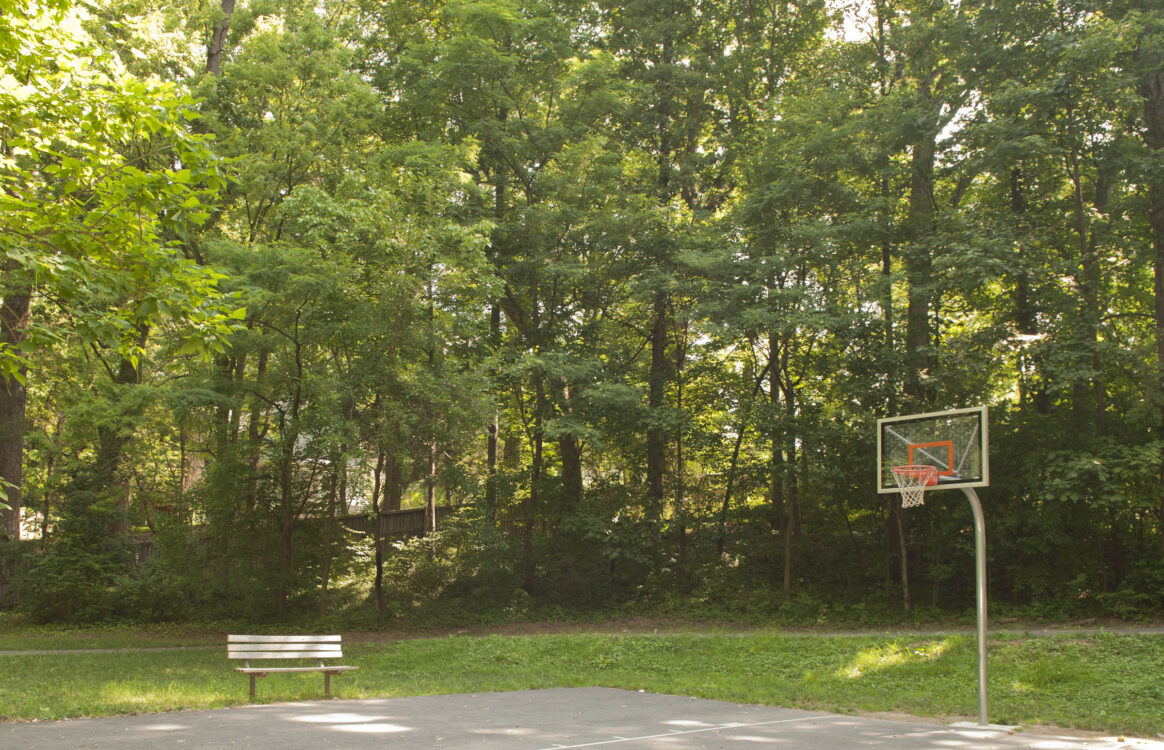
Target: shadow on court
<point>537,719</point>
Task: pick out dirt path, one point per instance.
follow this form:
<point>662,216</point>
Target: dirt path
<point>663,626</point>
<point>651,626</point>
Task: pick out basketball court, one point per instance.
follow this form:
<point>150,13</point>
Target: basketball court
<point>557,719</point>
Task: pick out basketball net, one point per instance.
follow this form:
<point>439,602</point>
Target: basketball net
<point>912,480</point>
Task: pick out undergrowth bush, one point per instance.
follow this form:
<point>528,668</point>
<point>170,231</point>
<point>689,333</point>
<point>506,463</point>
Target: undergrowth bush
<point>70,583</point>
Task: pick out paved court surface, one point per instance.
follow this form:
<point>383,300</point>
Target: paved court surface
<point>557,719</point>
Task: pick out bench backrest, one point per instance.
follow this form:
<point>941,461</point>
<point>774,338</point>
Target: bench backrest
<point>283,647</point>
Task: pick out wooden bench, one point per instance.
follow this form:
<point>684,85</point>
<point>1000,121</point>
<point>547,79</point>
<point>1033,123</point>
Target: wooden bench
<point>262,647</point>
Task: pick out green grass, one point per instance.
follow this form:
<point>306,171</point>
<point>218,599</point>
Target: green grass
<point>19,637</point>
<point>1103,682</point>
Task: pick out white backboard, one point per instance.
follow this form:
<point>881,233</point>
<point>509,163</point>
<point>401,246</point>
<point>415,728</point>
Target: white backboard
<point>954,442</point>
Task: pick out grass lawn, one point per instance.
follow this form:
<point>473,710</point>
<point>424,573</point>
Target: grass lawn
<point>28,637</point>
<point>1105,682</point>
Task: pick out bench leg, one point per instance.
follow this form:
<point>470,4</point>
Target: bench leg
<point>252,686</point>
<point>327,684</point>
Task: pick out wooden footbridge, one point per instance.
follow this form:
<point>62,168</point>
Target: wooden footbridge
<point>396,524</point>
<point>409,523</point>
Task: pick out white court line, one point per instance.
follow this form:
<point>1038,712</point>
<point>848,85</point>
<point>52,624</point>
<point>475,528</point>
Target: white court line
<point>676,733</point>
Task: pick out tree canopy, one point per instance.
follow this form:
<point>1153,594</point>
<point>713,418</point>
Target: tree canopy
<point>624,285</point>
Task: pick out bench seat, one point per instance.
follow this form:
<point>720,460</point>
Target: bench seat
<point>265,670</point>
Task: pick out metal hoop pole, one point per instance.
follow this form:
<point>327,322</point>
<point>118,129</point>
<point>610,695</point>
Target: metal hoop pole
<point>980,581</point>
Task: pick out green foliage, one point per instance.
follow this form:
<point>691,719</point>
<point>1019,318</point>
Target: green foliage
<point>628,283</point>
<point>72,583</point>
<point>465,562</point>
<point>76,579</point>
<point>153,593</point>
<point>1138,596</point>
<point>98,168</point>
<point>1113,474</point>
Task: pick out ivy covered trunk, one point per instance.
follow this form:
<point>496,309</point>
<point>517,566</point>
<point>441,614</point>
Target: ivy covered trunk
<point>656,432</point>
<point>113,438</point>
<point>13,400</point>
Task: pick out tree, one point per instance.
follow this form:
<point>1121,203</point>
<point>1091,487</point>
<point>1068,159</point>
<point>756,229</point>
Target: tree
<point>98,168</point>
<point>1146,25</point>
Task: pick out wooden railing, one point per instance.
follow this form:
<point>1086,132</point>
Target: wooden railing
<point>8,573</point>
<point>396,524</point>
<point>13,558</point>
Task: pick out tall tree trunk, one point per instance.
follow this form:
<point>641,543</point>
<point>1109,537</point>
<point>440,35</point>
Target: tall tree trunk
<point>286,564</point>
<point>680,486</point>
<point>789,530</point>
<point>777,500</point>
<point>288,511</point>
<point>791,482</point>
<point>1151,60</point>
<point>13,401</point>
<point>49,495</point>
<point>218,38</point>
<point>571,451</point>
<point>430,489</point>
<point>286,529</point>
<point>337,497</point>
<point>887,322</point>
<point>1089,280</point>
<point>491,443</point>
<point>885,216</point>
<point>379,488</point>
<point>533,500</point>
<point>287,520</point>
<point>1024,311</point>
<point>393,482</point>
<point>226,414</point>
<point>329,537</point>
<point>430,479</point>
<point>256,431</point>
<point>732,466</point>
<point>656,398</point>
<point>919,264</point>
<point>785,480</point>
<point>672,117</point>
<point>903,552</point>
<point>112,441</point>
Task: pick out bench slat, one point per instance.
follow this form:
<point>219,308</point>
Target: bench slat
<point>284,655</point>
<point>261,670</point>
<point>276,647</point>
<point>283,638</point>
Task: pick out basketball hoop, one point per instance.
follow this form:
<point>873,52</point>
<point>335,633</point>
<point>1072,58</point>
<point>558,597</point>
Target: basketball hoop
<point>912,480</point>
<point>942,450</point>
